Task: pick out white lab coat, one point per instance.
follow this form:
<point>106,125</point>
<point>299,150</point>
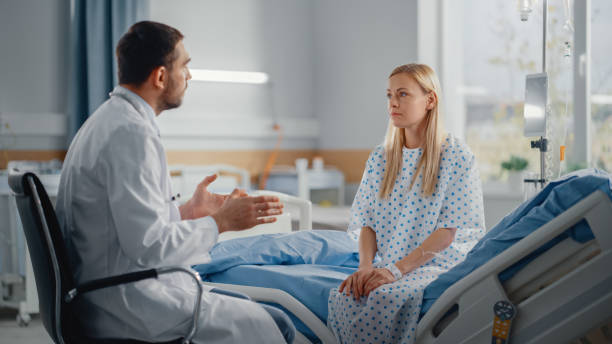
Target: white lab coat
<point>115,209</point>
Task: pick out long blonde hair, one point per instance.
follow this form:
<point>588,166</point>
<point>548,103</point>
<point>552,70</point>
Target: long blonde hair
<point>395,140</point>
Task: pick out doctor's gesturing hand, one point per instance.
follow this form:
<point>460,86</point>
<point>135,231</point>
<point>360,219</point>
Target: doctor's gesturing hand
<point>240,211</point>
<point>236,211</point>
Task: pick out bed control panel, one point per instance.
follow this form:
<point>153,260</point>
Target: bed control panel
<point>504,312</point>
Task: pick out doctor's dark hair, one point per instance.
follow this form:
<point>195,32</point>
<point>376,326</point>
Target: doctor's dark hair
<point>146,46</point>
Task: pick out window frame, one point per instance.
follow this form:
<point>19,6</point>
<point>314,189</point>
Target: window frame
<point>440,43</point>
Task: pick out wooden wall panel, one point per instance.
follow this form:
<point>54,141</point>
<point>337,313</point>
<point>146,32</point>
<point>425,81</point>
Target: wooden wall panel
<point>350,162</point>
<point>253,161</point>
<point>42,155</point>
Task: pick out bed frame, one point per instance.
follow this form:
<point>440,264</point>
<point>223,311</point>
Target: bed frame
<point>559,296</point>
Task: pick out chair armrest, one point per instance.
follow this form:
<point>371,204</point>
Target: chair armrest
<point>138,276</point>
<point>110,282</point>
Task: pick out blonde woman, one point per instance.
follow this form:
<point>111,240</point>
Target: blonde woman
<point>418,207</point>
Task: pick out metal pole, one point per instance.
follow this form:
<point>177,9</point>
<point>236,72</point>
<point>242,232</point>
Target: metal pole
<point>542,139</point>
<point>544,22</point>
<point>543,149</point>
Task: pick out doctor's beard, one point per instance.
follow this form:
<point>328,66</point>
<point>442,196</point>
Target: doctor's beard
<point>170,100</point>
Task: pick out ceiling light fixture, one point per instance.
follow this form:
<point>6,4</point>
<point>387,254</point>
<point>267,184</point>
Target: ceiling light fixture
<point>228,76</point>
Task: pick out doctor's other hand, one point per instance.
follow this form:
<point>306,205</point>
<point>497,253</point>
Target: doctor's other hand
<point>354,284</point>
<point>240,212</point>
<point>203,203</point>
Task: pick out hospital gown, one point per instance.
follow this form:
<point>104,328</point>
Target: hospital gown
<point>401,223</point>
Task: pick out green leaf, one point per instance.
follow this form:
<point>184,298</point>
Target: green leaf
<point>515,163</point>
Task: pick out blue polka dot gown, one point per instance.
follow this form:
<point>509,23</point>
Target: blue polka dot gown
<point>401,223</point>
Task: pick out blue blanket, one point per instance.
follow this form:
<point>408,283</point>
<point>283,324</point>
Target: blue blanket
<point>555,198</point>
<point>323,247</point>
<point>305,264</point>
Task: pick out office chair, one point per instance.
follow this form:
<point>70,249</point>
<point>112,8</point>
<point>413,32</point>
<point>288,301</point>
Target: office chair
<point>54,279</point>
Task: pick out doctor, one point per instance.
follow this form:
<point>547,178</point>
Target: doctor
<point>118,215</point>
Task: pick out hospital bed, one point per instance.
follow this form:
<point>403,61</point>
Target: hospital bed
<point>558,296</point>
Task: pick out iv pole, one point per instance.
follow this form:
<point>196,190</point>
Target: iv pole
<point>542,143</point>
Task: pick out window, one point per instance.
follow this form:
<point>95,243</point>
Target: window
<point>601,85</point>
<point>499,50</point>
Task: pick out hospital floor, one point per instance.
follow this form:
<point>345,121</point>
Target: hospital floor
<point>11,333</point>
<point>34,333</point>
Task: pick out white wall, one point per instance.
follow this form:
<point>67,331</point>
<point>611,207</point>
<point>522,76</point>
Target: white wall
<point>328,63</point>
<point>271,36</point>
<point>33,73</point>
<point>357,45</point>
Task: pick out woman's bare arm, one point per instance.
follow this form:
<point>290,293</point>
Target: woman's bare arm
<point>437,241</point>
<point>367,247</point>
<point>367,250</point>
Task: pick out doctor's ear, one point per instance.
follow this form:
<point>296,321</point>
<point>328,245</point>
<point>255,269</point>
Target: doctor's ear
<point>159,75</point>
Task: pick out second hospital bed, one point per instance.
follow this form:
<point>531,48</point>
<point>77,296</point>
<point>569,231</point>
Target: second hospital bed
<point>550,258</point>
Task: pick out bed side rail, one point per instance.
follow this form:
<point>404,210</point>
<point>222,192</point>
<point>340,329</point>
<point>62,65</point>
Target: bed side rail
<point>483,285</point>
<point>280,297</point>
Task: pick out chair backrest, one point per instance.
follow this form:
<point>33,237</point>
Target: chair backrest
<point>47,250</point>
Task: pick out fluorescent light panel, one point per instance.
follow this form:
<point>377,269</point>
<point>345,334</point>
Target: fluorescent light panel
<point>228,76</point>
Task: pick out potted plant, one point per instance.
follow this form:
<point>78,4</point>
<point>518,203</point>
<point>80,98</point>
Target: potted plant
<point>514,166</point>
